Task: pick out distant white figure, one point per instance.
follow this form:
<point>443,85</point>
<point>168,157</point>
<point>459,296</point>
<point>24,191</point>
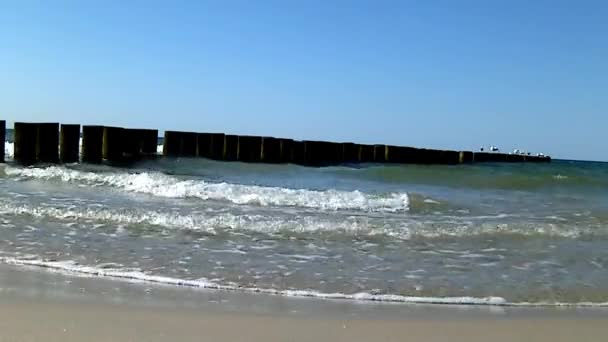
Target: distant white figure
<point>494,148</point>
<point>516,151</point>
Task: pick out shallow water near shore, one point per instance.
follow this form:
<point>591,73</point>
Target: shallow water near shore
<point>495,234</point>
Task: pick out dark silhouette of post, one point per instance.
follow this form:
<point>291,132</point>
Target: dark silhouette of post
<point>350,153</point>
<point>203,145</point>
<point>3,141</point>
<point>297,152</point>
<point>210,145</point>
<point>270,150</point>
<point>92,144</point>
<point>465,157</point>
<point>322,153</point>
<point>286,150</point>
<point>392,154</point>
<point>379,153</point>
<point>366,154</point>
<point>250,149</point>
<point>132,147</point>
<point>448,157</point>
<point>114,143</point>
<point>188,144</point>
<point>148,140</point>
<point>231,148</point>
<point>172,144</point>
<point>180,144</point>
<point>217,146</point>
<point>69,141</point>
<point>25,136</point>
<point>47,142</point>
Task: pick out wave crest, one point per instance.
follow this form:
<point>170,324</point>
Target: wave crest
<point>158,184</point>
<point>213,221</point>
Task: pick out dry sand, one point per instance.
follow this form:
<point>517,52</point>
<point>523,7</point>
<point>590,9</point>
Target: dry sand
<point>28,321</point>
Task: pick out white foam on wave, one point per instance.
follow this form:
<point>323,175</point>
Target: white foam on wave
<point>9,149</point>
<point>158,184</point>
<point>207,222</point>
<point>71,267</point>
<point>105,270</point>
<point>211,220</point>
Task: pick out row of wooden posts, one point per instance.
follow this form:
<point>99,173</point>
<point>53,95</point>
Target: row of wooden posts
<point>52,143</point>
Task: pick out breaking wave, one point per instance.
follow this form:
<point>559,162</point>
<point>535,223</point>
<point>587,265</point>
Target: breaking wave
<point>213,221</point>
<point>158,184</point>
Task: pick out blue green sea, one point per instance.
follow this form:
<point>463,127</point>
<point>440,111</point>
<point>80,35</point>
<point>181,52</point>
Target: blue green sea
<point>487,234</point>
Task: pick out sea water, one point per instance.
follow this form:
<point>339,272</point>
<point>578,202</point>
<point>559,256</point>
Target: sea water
<point>496,234</point>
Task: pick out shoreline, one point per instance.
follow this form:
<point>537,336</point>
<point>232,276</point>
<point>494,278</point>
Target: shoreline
<point>77,271</point>
<point>39,305</point>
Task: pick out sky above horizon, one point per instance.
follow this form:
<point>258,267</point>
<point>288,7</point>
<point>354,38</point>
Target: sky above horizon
<point>445,74</point>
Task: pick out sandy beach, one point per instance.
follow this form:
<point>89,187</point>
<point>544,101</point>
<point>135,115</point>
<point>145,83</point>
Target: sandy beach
<point>26,321</point>
<point>46,306</point>
<point>304,171</point>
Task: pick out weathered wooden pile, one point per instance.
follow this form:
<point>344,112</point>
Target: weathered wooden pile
<point>54,143</point>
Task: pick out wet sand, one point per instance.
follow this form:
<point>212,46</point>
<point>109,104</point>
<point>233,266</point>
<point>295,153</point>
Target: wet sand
<point>44,306</point>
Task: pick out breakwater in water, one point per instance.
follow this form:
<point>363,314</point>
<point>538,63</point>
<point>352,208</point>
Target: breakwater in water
<point>54,142</point>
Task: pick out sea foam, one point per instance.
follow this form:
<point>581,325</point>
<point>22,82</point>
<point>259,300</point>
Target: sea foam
<point>208,222</point>
<point>211,221</point>
<point>73,268</point>
<point>9,149</point>
<point>158,184</point>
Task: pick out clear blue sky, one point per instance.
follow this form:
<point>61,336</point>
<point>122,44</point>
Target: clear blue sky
<point>443,74</point>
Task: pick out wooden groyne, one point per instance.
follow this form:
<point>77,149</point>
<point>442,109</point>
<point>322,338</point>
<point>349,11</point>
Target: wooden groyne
<point>53,143</point>
<point>3,138</point>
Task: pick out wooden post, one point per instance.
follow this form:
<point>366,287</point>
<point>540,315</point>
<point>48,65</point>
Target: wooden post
<point>322,153</point>
<point>114,143</point>
<point>172,144</point>
<point>465,157</point>
<point>3,139</point>
<point>203,145</point>
<point>132,144</point>
<point>285,155</point>
<point>350,153</point>
<point>250,149</point>
<point>217,146</point>
<point>231,148</point>
<point>297,152</point>
<point>188,144</point>
<point>379,153</point>
<point>149,141</point>
<point>366,154</point>
<point>92,144</point>
<point>25,137</point>
<point>271,150</point>
<point>69,143</point>
<point>180,144</point>
<point>47,142</point>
